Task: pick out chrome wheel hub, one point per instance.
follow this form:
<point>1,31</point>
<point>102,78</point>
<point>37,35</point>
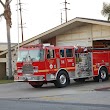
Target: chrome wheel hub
<point>62,79</point>
<point>103,74</point>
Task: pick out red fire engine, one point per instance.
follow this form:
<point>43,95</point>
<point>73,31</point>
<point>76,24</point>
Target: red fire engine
<point>39,64</point>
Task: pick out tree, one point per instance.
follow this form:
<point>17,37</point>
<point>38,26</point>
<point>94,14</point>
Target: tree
<point>7,16</point>
<point>106,10</point>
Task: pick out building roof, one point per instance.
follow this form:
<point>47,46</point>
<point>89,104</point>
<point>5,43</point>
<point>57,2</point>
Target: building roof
<point>76,22</point>
<point>4,46</point>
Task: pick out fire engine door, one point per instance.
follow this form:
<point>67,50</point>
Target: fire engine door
<point>70,60</point>
<point>51,60</point>
<point>61,60</point>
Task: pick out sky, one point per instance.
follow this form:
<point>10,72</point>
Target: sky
<point>41,15</point>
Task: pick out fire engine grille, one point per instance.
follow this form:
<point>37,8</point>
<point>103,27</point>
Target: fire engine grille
<point>27,69</point>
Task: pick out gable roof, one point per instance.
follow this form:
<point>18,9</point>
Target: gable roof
<point>78,21</point>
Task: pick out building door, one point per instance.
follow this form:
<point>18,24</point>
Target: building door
<point>2,70</point>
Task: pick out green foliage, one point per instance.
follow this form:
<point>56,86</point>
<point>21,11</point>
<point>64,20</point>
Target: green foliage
<point>7,78</point>
<point>106,10</point>
<point>6,81</point>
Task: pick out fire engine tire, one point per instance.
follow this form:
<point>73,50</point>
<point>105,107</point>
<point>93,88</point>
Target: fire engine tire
<point>62,79</point>
<point>37,86</point>
<point>96,78</point>
<point>80,80</point>
<point>103,74</point>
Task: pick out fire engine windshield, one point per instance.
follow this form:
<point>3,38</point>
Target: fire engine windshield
<point>30,55</point>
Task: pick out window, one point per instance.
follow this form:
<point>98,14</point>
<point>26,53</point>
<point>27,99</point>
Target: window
<point>31,55</point>
<point>50,54</point>
<point>62,53</point>
<point>69,53</point>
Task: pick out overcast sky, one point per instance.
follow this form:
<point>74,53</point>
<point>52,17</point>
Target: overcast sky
<point>42,15</point>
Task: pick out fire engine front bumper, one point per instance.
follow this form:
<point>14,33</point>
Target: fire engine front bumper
<point>29,78</point>
<point>48,77</point>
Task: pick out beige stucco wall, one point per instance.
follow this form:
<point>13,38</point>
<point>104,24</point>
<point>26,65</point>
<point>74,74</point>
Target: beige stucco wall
<point>3,46</point>
<point>3,60</point>
<point>79,36</point>
<point>84,35</point>
<point>100,32</point>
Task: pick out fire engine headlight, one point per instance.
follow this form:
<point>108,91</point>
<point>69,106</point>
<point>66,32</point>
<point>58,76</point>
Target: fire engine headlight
<point>19,71</point>
<point>35,70</point>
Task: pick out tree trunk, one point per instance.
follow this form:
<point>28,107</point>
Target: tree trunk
<point>9,50</point>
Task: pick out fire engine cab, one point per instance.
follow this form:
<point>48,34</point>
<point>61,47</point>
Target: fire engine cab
<point>39,64</point>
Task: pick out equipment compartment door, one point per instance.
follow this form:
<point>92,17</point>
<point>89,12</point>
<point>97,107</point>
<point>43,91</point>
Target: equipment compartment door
<point>83,65</point>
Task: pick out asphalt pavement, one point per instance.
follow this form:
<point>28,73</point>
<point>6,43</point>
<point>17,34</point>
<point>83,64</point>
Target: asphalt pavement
<point>42,105</point>
<point>77,96</point>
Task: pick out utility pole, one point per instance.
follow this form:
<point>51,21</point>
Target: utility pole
<point>61,18</point>
<point>18,23</point>
<point>65,9</point>
<point>20,9</point>
<point>7,16</point>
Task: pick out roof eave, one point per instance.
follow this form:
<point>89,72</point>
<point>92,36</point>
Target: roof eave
<point>53,30</point>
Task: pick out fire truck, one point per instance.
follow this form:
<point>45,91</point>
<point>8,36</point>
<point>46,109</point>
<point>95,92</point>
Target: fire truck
<point>39,64</point>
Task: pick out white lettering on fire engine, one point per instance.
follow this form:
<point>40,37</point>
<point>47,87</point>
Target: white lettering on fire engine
<point>51,66</point>
<point>70,60</point>
<point>62,62</point>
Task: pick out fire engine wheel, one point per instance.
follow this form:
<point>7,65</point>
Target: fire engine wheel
<point>103,74</point>
<point>36,85</point>
<point>62,79</point>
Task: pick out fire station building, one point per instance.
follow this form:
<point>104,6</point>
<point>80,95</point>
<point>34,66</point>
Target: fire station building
<point>79,32</point>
